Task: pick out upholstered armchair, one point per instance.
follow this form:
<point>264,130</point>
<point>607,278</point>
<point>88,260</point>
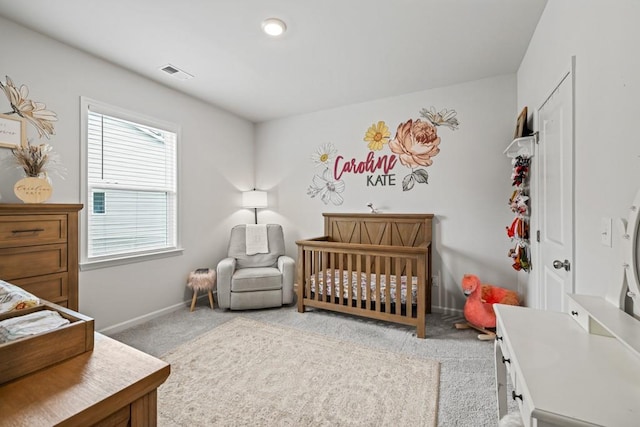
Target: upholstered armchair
<point>259,280</point>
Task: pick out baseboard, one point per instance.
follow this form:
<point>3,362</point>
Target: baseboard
<point>447,310</point>
<point>149,316</point>
<point>144,318</point>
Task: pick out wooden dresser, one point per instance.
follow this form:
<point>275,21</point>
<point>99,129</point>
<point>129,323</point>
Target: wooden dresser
<point>39,250</point>
<point>113,385</point>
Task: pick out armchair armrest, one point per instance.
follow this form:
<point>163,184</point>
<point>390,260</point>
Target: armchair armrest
<point>287,267</point>
<point>224,271</point>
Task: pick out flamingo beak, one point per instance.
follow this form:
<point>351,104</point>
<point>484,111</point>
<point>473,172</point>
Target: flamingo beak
<point>467,292</point>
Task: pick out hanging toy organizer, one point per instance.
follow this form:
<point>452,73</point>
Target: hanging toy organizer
<point>521,151</point>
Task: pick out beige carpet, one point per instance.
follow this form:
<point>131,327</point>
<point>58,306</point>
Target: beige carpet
<point>246,372</point>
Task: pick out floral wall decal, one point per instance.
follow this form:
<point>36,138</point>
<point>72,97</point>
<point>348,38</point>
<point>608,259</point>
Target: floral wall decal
<point>324,184</point>
<point>442,118</point>
<point>35,113</point>
<point>324,155</point>
<point>377,135</point>
<point>415,144</point>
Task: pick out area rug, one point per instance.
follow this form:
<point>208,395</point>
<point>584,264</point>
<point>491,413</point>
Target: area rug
<point>246,372</point>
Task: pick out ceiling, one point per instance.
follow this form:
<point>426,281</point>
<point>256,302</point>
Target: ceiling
<point>334,52</point>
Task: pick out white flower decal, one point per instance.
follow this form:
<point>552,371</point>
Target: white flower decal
<point>328,188</point>
<point>324,155</point>
<point>442,118</point>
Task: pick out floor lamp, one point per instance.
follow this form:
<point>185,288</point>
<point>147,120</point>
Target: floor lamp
<point>254,199</point>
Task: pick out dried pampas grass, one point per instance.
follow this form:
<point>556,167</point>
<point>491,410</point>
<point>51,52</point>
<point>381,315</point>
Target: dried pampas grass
<point>36,160</point>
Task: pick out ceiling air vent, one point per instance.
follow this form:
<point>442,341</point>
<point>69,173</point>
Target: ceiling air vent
<point>175,72</point>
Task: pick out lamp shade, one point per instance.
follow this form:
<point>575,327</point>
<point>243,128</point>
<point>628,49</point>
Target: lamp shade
<point>254,199</point>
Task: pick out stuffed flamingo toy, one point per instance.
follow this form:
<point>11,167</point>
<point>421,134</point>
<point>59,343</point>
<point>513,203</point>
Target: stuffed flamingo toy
<point>478,310</point>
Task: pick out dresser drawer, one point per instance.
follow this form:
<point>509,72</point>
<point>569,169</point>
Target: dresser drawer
<point>52,287</point>
<point>521,396</point>
<point>578,314</point>
<point>25,230</point>
<point>17,263</point>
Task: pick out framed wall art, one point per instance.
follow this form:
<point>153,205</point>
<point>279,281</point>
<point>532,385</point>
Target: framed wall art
<point>13,131</point>
<point>521,124</point>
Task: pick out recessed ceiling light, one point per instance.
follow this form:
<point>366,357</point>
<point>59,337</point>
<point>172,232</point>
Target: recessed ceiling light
<point>274,27</point>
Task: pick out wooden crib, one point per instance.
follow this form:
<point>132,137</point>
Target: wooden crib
<point>371,265</point>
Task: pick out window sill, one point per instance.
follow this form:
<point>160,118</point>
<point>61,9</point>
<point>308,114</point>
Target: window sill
<point>131,259</point>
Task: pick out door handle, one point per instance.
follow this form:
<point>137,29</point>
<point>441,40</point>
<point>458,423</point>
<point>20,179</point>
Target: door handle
<point>557,264</point>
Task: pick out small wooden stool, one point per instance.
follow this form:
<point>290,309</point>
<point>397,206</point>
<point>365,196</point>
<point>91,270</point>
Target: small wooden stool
<point>202,279</point>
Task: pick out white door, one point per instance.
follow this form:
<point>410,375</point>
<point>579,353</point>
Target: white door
<point>555,184</point>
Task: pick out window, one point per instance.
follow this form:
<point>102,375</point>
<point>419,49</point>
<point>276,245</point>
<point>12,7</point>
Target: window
<point>130,168</point>
<point>98,202</point>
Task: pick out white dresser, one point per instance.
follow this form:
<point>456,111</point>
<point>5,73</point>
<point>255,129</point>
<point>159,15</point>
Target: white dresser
<point>582,367</point>
<point>563,375</point>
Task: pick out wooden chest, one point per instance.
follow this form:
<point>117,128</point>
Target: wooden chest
<point>39,250</point>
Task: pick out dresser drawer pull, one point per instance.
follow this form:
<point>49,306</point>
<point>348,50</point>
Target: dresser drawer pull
<point>31,230</point>
<point>515,396</point>
<point>498,337</point>
<point>574,313</point>
<point>505,360</point>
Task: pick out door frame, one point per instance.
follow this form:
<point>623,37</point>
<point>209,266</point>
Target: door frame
<point>535,279</point>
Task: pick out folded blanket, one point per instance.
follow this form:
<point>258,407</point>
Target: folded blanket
<point>30,324</point>
<point>14,298</point>
<point>256,239</point>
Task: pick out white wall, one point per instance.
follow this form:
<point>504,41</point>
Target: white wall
<point>604,38</point>
<point>468,189</point>
<point>216,158</point>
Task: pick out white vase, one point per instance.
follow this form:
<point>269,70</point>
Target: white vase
<point>33,190</point>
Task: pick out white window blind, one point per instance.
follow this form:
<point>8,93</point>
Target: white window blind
<point>132,188</point>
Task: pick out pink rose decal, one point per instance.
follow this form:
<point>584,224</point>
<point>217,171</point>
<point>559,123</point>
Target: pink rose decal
<point>415,143</point>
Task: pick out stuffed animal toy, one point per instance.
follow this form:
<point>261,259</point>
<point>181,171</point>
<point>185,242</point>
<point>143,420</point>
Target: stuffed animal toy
<point>478,310</point>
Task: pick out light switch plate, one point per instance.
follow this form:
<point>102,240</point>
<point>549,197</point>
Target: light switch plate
<point>605,231</point>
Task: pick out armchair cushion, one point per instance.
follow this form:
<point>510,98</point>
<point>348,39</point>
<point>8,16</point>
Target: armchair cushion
<point>256,279</point>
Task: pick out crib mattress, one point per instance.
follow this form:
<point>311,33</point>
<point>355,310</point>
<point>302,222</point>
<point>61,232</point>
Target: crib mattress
<point>333,285</point>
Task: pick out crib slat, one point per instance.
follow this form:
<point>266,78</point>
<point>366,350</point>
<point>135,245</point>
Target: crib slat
<point>409,299</point>
<point>300,280</point>
<point>422,296</point>
<point>378,274</point>
<point>358,279</point>
<point>307,273</point>
<point>316,269</point>
<point>324,274</point>
<point>341,279</point>
<point>368,305</point>
<point>398,286</point>
<point>331,290</point>
<point>349,279</point>
<point>387,281</point>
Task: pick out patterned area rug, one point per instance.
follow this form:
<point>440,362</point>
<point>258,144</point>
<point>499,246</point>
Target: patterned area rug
<point>246,372</point>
